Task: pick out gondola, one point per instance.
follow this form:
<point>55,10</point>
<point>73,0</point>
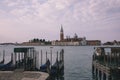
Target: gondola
<point>7,67</point>
<point>54,68</point>
<point>2,62</point>
<point>45,67</point>
<point>57,68</point>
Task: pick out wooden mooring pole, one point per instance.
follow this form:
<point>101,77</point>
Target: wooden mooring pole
<point>3,55</point>
<point>106,65</point>
<point>46,56</point>
<point>41,57</point>
<point>51,56</point>
<point>57,55</point>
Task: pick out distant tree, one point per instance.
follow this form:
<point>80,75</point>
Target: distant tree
<point>34,40</point>
<point>108,43</point>
<point>43,40</point>
<point>47,42</point>
<point>40,40</point>
<point>37,40</point>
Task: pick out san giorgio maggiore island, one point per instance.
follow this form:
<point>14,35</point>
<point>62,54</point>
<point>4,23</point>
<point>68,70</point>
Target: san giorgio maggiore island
<point>68,41</point>
<point>75,41</point>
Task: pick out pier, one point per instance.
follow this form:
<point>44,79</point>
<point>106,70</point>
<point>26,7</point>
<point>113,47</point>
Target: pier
<point>106,63</point>
<point>25,58</point>
<point>55,69</point>
<point>26,75</point>
<point>22,65</point>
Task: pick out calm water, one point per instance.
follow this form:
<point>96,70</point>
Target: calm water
<point>78,59</point>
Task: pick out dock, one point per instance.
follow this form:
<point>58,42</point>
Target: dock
<point>26,75</point>
<point>106,63</point>
<point>23,65</point>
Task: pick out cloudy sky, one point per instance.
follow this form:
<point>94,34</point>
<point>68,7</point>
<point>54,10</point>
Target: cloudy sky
<point>22,20</point>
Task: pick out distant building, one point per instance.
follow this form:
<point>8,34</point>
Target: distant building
<point>75,41</point>
<point>65,43</point>
<point>61,34</point>
<point>93,42</point>
<point>36,42</point>
<point>112,43</point>
<point>31,44</point>
<point>116,42</point>
<point>108,43</point>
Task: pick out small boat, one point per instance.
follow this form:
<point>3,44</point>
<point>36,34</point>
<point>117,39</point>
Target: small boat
<point>8,66</point>
<point>45,67</point>
<point>2,62</point>
<point>54,68</point>
<point>5,66</point>
<point>58,67</point>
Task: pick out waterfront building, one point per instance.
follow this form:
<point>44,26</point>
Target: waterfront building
<point>31,44</point>
<point>61,34</point>
<point>75,41</point>
<point>93,42</point>
<point>115,42</point>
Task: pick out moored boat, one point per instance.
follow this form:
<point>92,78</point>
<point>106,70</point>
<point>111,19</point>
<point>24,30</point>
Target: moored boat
<point>45,67</point>
<point>2,62</point>
<point>9,66</point>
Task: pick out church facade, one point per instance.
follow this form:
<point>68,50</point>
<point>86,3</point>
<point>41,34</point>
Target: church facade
<point>75,41</point>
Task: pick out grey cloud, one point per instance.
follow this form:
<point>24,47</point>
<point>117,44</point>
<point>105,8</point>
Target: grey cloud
<point>81,16</point>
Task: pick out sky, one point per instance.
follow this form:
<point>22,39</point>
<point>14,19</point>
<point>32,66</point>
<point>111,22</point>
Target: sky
<point>22,20</point>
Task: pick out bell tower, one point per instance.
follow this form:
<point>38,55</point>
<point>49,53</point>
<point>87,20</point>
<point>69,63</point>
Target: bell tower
<point>61,34</point>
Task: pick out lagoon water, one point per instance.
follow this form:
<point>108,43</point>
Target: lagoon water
<point>78,59</point>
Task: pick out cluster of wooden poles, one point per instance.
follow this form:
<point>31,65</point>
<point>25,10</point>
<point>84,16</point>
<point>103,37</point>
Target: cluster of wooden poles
<point>26,58</point>
<point>6,66</point>
<point>57,67</point>
<point>106,66</point>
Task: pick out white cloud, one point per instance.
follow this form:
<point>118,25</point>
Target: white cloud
<point>19,12</point>
<point>73,14</point>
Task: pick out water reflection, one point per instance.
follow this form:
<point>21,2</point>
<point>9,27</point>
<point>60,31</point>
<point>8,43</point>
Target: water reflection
<point>56,78</point>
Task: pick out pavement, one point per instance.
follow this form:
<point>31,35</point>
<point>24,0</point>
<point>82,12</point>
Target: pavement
<point>23,75</point>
